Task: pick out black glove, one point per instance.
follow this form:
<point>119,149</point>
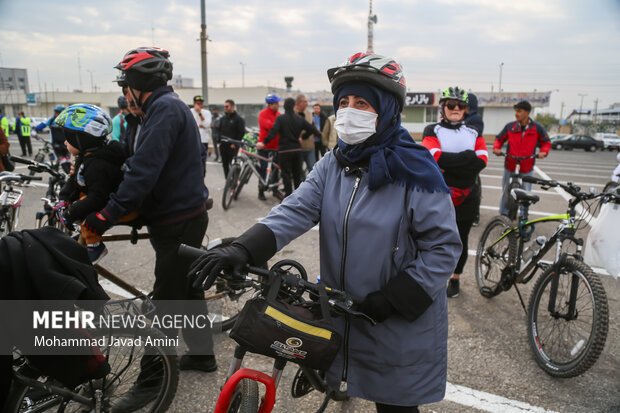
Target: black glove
<point>97,223</point>
<point>230,259</point>
<point>376,306</point>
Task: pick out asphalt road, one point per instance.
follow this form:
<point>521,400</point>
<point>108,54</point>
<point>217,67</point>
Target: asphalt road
<point>490,367</point>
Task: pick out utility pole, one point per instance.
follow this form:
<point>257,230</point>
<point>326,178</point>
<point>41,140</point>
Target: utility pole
<point>561,111</point>
<point>595,110</point>
<point>372,20</point>
<point>499,89</point>
<point>203,51</point>
<point>242,74</point>
<point>581,104</point>
<point>91,79</point>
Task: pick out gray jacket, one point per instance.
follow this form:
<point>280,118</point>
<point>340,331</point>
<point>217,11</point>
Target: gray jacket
<point>388,230</point>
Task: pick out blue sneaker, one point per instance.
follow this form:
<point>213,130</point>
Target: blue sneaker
<point>96,252</point>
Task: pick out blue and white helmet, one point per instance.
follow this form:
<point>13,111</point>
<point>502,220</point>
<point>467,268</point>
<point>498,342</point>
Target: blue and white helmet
<point>86,118</point>
<point>85,126</point>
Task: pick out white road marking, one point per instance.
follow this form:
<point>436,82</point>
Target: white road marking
<point>581,184</point>
<point>487,401</point>
<point>606,176</point>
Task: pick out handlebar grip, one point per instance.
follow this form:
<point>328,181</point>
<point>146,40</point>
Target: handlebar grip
<point>190,252</point>
<point>21,160</point>
<point>31,178</point>
<point>531,179</point>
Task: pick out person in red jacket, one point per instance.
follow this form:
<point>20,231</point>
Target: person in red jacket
<point>522,137</point>
<point>266,118</point>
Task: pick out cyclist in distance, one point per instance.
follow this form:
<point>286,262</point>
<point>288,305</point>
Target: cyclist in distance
<point>376,181</point>
<point>266,119</point>
<point>58,139</point>
<point>522,138</point>
<point>461,153</point>
<point>163,179</point>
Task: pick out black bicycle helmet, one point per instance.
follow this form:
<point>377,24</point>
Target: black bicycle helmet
<point>146,68</point>
<point>383,72</point>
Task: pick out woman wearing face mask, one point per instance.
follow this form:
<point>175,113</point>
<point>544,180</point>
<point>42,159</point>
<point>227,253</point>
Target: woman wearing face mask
<point>461,153</point>
<point>387,234</point>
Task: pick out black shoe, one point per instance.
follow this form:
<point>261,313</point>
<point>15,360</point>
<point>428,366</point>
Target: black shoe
<point>453,288</point>
<point>261,196</point>
<point>137,397</point>
<point>202,363</point>
<point>278,195</point>
<point>476,221</point>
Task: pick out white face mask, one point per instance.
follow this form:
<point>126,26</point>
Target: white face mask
<point>355,126</point>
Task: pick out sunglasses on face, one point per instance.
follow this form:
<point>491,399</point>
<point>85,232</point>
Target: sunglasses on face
<point>453,105</point>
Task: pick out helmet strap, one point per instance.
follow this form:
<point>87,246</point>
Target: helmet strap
<point>137,100</point>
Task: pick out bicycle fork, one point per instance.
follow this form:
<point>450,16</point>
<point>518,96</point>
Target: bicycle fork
<point>571,313</point>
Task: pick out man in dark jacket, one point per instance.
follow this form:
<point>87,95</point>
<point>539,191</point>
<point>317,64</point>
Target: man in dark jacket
<point>474,119</point>
<point>289,127</point>
<point>164,181</point>
<point>232,126</point>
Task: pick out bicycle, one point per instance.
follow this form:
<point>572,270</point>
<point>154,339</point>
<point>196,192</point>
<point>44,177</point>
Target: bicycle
<point>567,315</point>
<point>45,152</point>
<point>514,182</point>
<point>246,163</point>
<point>55,182</point>
<point>11,200</point>
<point>240,391</point>
<point>33,391</point>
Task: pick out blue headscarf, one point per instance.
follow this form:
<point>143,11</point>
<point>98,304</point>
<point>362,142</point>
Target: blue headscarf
<point>391,153</point>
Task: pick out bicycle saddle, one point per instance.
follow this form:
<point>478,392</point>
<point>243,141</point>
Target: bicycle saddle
<point>524,196</point>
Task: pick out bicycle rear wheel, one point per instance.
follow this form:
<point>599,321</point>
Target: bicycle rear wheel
<point>567,341</point>
<point>495,252</point>
<point>155,362</point>
<point>231,185</point>
<point>245,397</point>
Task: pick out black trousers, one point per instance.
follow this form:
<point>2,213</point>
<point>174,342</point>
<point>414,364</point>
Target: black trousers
<point>171,281</point>
<point>319,148</point>
<point>24,142</point>
<point>388,408</point>
<point>464,226</point>
<point>290,164</point>
<point>227,152</point>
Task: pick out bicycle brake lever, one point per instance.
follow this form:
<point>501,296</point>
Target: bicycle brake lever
<point>348,310</point>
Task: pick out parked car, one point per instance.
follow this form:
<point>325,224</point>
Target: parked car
<point>611,141</point>
<point>578,141</point>
<point>557,136</point>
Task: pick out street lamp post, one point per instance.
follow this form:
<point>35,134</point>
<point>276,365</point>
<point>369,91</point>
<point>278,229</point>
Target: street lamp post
<point>242,74</point>
<point>581,104</point>
<point>91,79</point>
<point>501,65</point>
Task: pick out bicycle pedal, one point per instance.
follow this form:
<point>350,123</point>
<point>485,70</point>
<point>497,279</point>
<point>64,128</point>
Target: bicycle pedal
<point>487,292</point>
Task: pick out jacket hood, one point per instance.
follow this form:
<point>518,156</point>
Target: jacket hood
<point>472,103</point>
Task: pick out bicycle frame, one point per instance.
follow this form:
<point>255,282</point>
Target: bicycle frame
<point>250,160</point>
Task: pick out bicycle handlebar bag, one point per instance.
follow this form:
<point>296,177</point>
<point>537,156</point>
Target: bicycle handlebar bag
<point>281,330</point>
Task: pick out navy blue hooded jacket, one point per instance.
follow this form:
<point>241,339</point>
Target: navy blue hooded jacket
<point>473,118</point>
<point>163,178</point>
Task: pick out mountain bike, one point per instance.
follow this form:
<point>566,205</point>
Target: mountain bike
<point>33,391</point>
<point>514,182</point>
<point>11,200</point>
<point>246,163</point>
<point>240,391</point>
<point>567,315</point>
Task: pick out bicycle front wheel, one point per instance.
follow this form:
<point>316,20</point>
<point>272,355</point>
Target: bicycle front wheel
<point>568,333</point>
<point>153,363</point>
<point>231,185</point>
<point>245,397</point>
<point>496,250</point>
<point>244,178</point>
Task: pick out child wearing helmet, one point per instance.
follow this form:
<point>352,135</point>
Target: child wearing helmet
<point>461,153</point>
<point>387,233</point>
<point>97,170</point>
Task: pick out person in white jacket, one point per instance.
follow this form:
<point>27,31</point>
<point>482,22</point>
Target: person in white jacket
<point>203,120</point>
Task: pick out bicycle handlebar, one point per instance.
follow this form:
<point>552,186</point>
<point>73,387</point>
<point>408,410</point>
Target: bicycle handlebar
<point>341,300</point>
<point>571,188</point>
<point>18,177</point>
<point>37,166</point>
<point>518,158</point>
<point>237,142</point>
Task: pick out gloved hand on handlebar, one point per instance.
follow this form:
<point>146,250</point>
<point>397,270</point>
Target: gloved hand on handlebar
<point>255,247</point>
<point>97,223</point>
<point>230,259</point>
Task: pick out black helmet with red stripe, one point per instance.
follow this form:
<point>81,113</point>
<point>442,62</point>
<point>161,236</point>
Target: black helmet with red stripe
<point>146,68</point>
<point>383,72</point>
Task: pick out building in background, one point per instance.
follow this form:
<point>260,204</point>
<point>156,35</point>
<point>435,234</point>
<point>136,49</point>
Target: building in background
<point>14,79</point>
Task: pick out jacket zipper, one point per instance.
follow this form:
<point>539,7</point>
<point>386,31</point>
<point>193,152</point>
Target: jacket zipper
<point>345,364</point>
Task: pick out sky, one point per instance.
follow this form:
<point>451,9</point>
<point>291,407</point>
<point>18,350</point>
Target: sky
<point>568,47</point>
